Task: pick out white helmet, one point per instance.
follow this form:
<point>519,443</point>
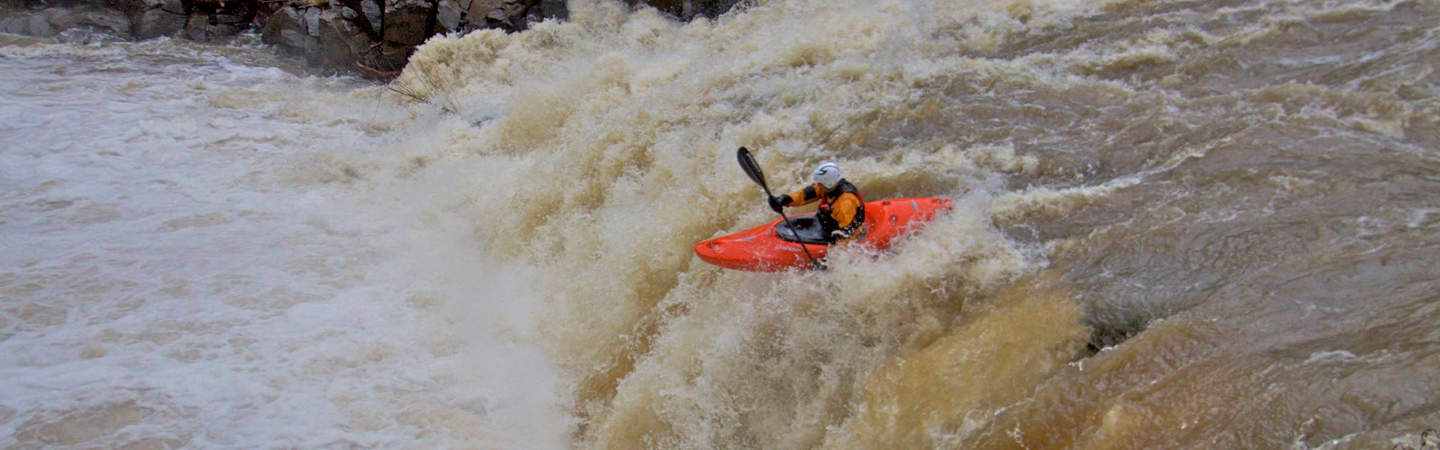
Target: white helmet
<point>828,174</point>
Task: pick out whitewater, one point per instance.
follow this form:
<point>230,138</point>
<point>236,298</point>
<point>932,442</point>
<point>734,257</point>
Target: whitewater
<point>1176,224</point>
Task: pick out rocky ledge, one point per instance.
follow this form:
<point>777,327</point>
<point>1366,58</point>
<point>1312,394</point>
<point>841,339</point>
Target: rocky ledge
<point>374,37</point>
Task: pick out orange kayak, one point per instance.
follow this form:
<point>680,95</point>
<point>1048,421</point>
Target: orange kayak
<point>774,247</point>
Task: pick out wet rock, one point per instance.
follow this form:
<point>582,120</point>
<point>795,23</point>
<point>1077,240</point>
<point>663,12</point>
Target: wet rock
<point>390,58</point>
<point>472,14</point>
<point>405,22</point>
<point>17,25</point>
<point>155,18</point>
<point>200,27</point>
<point>285,29</point>
<point>690,9</point>
<point>51,22</point>
<point>447,16</point>
<point>335,37</point>
<point>517,15</point>
<point>95,19</point>
<point>509,16</point>
<point>312,22</point>
<point>340,43</point>
<point>36,25</point>
<point>372,10</point>
<point>212,19</point>
<point>377,34</point>
<point>554,9</point>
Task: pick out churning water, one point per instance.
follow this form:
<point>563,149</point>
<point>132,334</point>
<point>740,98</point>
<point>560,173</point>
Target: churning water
<point>198,250</point>
<point>1178,224</point>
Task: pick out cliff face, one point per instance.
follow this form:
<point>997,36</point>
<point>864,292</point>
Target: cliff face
<point>375,37</point>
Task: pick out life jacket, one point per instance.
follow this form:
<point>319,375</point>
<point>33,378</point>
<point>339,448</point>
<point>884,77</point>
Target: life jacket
<point>829,223</point>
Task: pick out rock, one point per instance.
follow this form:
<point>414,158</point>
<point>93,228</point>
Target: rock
<point>285,30</point>
<point>690,9</point>
<point>372,12</point>
<point>473,13</point>
<point>155,18</point>
<point>392,57</point>
<point>514,15</point>
<point>510,15</point>
<point>88,20</point>
<point>102,20</point>
<point>13,25</point>
<point>447,18</point>
<point>38,26</point>
<point>202,27</point>
<point>340,42</point>
<point>715,8</point>
<point>312,22</point>
<point>331,37</point>
<point>407,22</point>
<point>212,19</point>
<point>555,9</point>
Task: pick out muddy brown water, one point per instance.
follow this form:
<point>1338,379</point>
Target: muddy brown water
<point>1178,224</point>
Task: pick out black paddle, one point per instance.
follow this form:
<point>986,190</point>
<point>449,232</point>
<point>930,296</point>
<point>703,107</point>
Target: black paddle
<point>752,169</point>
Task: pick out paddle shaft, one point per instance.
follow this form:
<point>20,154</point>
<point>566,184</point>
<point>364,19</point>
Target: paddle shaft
<point>751,168</point>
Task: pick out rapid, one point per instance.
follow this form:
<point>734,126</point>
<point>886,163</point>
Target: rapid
<point>1177,224</point>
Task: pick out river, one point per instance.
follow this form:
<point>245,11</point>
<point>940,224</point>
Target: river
<point>1177,224</point>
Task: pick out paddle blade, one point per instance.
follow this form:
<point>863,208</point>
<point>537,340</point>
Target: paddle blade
<point>751,168</point>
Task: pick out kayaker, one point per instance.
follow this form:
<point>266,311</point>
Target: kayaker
<point>842,210</point>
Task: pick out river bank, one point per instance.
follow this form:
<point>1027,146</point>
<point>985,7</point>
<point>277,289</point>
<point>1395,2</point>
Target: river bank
<point>374,38</point>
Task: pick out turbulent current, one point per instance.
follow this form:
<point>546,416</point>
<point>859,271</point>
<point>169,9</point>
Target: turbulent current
<point>1177,224</point>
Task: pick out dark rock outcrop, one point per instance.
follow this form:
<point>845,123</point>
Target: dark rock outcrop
<point>374,36</point>
<point>213,19</point>
<point>155,18</point>
<point>514,15</point>
<point>687,10</point>
<point>52,21</point>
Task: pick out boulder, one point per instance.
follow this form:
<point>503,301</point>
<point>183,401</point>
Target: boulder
<point>213,19</point>
<point>208,27</point>
<point>155,18</point>
<point>447,16</point>
<point>341,44</point>
<point>554,9</point>
<point>311,18</point>
<point>102,20</point>
<point>473,12</point>
<point>512,15</point>
<point>378,34</point>
<point>406,22</point>
<point>86,21</point>
<point>689,9</point>
<point>333,37</point>
<point>372,9</point>
<point>285,29</point>
<point>38,26</point>
<point>391,58</point>
<point>362,14</point>
<point>13,25</point>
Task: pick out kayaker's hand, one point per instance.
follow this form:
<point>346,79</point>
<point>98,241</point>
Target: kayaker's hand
<point>777,204</point>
